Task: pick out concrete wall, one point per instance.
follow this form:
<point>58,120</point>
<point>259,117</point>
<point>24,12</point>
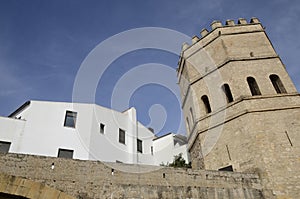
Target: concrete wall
<point>106,147</point>
<point>162,148</point>
<point>92,179</point>
<point>11,131</point>
<point>44,132</point>
<point>41,131</point>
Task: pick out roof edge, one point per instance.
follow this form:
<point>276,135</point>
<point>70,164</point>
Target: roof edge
<point>25,105</point>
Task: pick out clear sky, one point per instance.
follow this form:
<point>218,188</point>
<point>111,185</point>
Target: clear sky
<point>44,43</point>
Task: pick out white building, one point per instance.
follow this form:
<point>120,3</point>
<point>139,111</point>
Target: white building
<point>169,145</point>
<point>86,132</point>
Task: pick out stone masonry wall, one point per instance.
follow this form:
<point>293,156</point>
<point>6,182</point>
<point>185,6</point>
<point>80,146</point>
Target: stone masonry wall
<point>251,131</point>
<point>93,179</point>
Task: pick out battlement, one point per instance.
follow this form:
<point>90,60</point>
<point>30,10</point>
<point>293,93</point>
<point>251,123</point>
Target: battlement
<point>215,25</point>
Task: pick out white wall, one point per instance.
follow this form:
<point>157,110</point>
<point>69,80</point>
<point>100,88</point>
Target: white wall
<point>44,131</point>
<point>146,136</point>
<point>11,130</point>
<point>164,150</point>
<point>106,147</point>
<point>41,131</point>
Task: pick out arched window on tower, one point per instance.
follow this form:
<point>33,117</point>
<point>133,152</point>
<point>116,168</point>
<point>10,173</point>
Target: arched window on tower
<point>227,92</point>
<point>253,86</point>
<point>205,101</point>
<point>277,84</point>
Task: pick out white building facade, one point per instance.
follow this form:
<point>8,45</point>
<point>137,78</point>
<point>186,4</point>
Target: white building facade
<point>168,146</point>
<point>86,132</point>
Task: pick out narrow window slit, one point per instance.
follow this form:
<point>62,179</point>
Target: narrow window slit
<point>288,137</point>
<point>228,152</point>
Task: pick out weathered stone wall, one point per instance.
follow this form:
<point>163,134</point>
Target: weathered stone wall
<point>93,179</point>
<point>12,187</point>
<point>252,133</point>
<point>273,151</point>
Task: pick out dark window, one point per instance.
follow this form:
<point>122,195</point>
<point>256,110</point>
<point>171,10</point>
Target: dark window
<point>206,103</point>
<point>227,92</point>
<point>102,128</point>
<point>253,86</point>
<point>139,145</point>
<point>65,153</point>
<point>122,136</point>
<point>4,147</point>
<point>151,150</point>
<point>228,168</point>
<point>70,119</point>
<point>277,84</point>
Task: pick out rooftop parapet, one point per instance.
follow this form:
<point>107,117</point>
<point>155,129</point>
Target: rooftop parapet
<point>204,32</point>
<point>229,22</point>
<point>195,39</point>
<point>254,20</point>
<point>218,24</point>
<point>184,46</point>
<point>242,21</point>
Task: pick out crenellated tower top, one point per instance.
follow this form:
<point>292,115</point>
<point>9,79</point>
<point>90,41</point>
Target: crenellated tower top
<point>216,24</point>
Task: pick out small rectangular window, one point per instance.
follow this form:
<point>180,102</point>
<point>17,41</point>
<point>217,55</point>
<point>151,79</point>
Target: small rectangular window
<point>4,147</point>
<point>151,150</point>
<point>102,128</point>
<point>139,145</point>
<point>65,153</point>
<point>70,119</point>
<point>122,136</point>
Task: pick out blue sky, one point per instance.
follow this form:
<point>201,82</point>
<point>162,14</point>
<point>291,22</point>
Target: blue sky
<point>43,44</point>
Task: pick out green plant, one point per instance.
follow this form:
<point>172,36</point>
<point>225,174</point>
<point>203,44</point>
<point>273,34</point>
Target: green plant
<point>179,162</point>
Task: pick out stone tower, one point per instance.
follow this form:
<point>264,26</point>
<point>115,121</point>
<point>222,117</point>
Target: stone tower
<point>241,108</point>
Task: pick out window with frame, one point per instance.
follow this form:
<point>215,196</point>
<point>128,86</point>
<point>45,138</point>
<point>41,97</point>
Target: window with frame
<point>139,145</point>
<point>70,119</point>
<point>65,153</point>
<point>4,146</point>
<point>102,126</point>
<point>122,136</point>
<point>253,86</point>
<point>277,84</point>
